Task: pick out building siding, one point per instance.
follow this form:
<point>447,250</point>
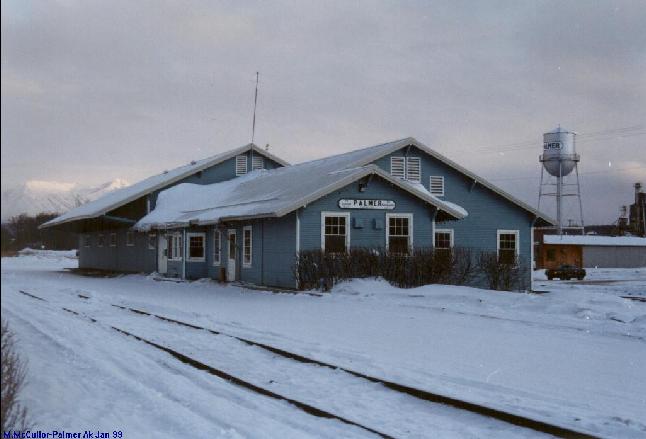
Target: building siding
<point>137,258</point>
<point>614,257</point>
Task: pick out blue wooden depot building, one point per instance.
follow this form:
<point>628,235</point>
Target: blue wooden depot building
<point>244,215</point>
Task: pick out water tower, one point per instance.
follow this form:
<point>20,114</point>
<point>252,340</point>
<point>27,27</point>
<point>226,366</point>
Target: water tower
<point>559,159</point>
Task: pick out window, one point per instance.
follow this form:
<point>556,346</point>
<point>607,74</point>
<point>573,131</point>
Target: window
<point>507,246</point>
<point>258,162</point>
<point>399,237</point>
<point>413,169</point>
<point>152,241</point>
<point>398,167</point>
<point>100,241</point>
<point>175,247</point>
<point>335,235</point>
<point>241,165</point>
<point>113,239</point>
<point>130,238</point>
<point>437,185</point>
<point>443,239</point>
<point>217,247</point>
<point>195,246</point>
<point>246,246</point>
<point>86,240</point>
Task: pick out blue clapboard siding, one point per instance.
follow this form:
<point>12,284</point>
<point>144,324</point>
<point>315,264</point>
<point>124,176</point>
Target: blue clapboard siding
<point>279,244</point>
<point>137,258</point>
<point>488,211</point>
<point>140,258</point>
<point>368,236</point>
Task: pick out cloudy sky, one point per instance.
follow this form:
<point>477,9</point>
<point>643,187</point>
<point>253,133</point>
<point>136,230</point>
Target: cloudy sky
<point>97,90</point>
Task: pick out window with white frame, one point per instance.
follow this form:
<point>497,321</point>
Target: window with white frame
<point>241,165</point>
<point>335,236</point>
<point>86,240</point>
<point>175,247</point>
<point>217,247</point>
<point>100,240</point>
<point>130,238</point>
<point>436,185</point>
<point>257,162</point>
<point>443,239</point>
<point>399,233</point>
<point>195,242</point>
<point>113,239</point>
<point>507,246</point>
<point>398,167</point>
<point>247,243</point>
<point>413,169</point>
<point>152,241</point>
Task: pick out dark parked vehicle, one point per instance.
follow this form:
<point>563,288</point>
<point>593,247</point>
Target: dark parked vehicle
<point>565,272</point>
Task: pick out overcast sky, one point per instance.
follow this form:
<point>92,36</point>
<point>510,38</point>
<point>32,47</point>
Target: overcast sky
<point>97,90</point>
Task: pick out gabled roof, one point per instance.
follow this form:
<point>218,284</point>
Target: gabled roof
<point>367,155</point>
<point>120,197</point>
<point>272,193</point>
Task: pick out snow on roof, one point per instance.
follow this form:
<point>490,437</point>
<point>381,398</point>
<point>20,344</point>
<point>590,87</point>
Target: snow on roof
<point>125,195</point>
<point>363,156</point>
<point>267,193</point>
<point>626,241</point>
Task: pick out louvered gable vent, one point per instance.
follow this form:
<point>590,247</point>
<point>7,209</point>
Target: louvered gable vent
<point>398,167</point>
<point>241,165</point>
<point>437,185</point>
<point>413,169</point>
<point>258,162</point>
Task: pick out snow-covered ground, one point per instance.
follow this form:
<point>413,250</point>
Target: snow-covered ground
<point>573,356</point>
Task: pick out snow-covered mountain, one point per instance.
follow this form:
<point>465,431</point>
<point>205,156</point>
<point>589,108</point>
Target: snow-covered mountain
<point>36,196</point>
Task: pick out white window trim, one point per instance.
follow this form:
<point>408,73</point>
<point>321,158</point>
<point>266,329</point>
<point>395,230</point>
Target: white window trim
<point>430,185</point>
<point>246,264</point>
<point>346,215</point>
<point>187,244</point>
<point>100,240</point>
<point>450,231</point>
<point>239,159</point>
<point>154,237</point>
<point>131,233</point>
<point>403,159</point>
<point>171,237</point>
<point>419,161</point>
<point>115,240</point>
<point>217,262</point>
<point>507,232</point>
<point>86,241</point>
<point>410,227</point>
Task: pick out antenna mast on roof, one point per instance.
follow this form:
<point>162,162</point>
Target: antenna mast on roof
<point>255,104</point>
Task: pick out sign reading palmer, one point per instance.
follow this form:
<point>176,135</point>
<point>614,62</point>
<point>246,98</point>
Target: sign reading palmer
<point>346,203</point>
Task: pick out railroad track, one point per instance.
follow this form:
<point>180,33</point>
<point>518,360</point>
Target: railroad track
<point>510,418</point>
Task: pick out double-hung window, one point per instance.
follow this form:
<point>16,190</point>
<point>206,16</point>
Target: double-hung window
<point>217,247</point>
<point>100,241</point>
<point>241,165</point>
<point>195,243</point>
<point>335,236</point>
<point>247,243</point>
<point>152,241</point>
<point>113,239</point>
<point>130,238</point>
<point>399,232</point>
<point>257,162</point>
<point>175,247</point>
<point>443,239</point>
<point>507,246</point>
<point>86,240</point>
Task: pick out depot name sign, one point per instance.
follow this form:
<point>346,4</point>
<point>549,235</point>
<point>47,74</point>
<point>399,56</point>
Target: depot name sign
<point>354,203</point>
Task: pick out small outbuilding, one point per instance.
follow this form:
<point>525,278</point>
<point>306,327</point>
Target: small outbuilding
<point>592,251</point>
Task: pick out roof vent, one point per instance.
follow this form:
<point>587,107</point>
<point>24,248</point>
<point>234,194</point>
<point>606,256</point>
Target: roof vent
<point>193,162</point>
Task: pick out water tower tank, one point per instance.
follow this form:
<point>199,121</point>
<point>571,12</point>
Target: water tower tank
<point>559,152</point>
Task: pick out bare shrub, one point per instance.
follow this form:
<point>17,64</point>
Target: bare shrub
<point>13,414</point>
<point>502,274</point>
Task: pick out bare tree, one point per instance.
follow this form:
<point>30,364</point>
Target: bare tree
<point>13,414</point>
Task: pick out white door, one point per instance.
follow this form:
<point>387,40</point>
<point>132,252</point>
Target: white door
<point>231,262</point>
<point>162,255</point>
